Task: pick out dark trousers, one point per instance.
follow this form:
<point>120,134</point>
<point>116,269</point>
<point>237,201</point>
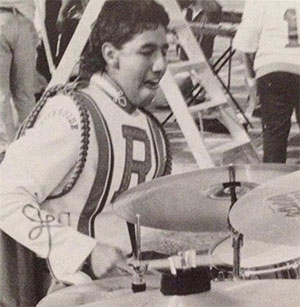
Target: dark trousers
<point>52,9</point>
<point>279,94</point>
<point>24,279</point>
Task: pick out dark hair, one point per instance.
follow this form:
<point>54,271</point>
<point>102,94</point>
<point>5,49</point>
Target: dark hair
<point>118,22</point>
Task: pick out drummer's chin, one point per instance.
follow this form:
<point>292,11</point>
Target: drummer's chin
<point>147,100</point>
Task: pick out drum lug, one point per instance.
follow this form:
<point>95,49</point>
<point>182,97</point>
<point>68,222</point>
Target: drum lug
<point>221,276</point>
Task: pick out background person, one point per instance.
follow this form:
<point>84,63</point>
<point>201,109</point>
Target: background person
<point>201,11</point>
<point>18,42</point>
<point>61,20</point>
<point>270,30</point>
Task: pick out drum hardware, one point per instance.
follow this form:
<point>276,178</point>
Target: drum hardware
<point>237,242</point>
<point>186,281</point>
<point>237,238</point>
<point>139,269</point>
<point>184,277</point>
<point>182,261</point>
<point>138,239</point>
<point>219,275</point>
<point>259,260</point>
<point>292,271</point>
<point>186,202</point>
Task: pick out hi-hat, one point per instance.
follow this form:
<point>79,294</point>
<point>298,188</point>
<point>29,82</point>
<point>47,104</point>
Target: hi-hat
<point>194,201</point>
<point>270,212</point>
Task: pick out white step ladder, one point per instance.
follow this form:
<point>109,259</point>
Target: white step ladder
<point>174,97</point>
<point>77,43</point>
<point>239,144</point>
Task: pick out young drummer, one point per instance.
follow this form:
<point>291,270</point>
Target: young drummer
<point>85,144</point>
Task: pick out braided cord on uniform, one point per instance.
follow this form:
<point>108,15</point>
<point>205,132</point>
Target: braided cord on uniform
<point>84,127</point>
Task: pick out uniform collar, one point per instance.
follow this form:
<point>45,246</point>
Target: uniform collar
<point>111,88</point>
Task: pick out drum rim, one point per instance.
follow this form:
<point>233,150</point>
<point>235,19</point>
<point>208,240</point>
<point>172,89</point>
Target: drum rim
<point>254,268</point>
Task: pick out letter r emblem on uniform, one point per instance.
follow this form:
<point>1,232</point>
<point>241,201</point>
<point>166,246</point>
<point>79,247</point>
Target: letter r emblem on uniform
<point>139,167</point>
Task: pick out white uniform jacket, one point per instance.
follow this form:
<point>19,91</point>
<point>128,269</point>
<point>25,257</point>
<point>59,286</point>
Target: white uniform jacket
<point>25,7</point>
<point>59,151</point>
<point>271,29</point>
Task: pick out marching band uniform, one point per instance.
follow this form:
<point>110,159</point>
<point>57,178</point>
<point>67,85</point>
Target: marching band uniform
<point>76,163</point>
<point>270,29</point>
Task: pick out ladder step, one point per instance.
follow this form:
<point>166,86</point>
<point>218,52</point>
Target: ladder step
<point>185,66</point>
<point>205,105</point>
<point>200,72</point>
<point>229,146</point>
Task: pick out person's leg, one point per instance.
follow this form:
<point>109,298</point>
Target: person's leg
<point>23,68</point>
<point>7,127</point>
<point>207,45</point>
<point>277,108</point>
<point>66,35</point>
<point>52,9</point>
<point>51,13</point>
<point>297,98</point>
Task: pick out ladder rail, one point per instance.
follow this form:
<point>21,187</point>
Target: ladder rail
<point>77,43</point>
<point>186,122</point>
<point>202,73</point>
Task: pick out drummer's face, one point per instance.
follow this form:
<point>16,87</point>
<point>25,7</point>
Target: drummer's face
<point>141,65</point>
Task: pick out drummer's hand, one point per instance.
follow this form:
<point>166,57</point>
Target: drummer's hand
<point>105,257</point>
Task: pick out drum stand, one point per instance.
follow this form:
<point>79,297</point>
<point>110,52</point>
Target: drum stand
<point>237,243</point>
<point>139,270</point>
<point>237,238</point>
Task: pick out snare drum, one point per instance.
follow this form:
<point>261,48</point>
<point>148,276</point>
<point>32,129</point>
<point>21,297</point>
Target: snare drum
<point>259,260</point>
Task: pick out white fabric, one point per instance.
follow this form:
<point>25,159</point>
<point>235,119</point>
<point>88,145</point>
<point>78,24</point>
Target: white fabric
<point>43,157</point>
<point>40,163</point>
<point>264,30</point>
<point>25,7</point>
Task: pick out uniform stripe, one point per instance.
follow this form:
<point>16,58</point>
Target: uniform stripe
<point>99,191</point>
<point>158,150</point>
<point>160,145</point>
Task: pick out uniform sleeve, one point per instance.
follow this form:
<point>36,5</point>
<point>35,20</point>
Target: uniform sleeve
<point>33,167</point>
<point>247,37</point>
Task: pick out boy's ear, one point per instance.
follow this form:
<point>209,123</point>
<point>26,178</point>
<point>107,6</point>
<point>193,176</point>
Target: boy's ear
<point>110,55</point>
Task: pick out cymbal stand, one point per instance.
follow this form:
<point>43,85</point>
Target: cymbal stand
<point>139,269</point>
<point>237,243</point>
<point>138,239</point>
<point>237,238</point>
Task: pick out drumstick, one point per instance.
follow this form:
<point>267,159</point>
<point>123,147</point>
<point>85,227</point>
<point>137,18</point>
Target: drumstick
<point>201,260</point>
<point>138,238</point>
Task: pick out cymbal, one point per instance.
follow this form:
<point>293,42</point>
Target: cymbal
<point>194,201</point>
<point>270,212</point>
<point>117,292</point>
